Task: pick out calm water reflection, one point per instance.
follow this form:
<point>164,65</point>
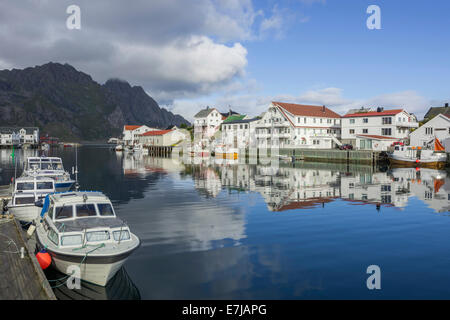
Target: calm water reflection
<point>223,230</point>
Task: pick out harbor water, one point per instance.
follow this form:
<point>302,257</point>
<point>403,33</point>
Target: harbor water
<point>224,230</point>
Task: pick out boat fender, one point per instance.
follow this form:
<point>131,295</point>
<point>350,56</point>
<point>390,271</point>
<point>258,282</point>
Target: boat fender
<point>44,259</point>
<point>417,160</point>
<point>31,230</point>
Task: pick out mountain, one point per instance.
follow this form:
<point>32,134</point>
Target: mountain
<point>67,103</point>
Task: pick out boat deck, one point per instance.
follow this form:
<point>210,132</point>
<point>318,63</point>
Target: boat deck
<point>20,278</point>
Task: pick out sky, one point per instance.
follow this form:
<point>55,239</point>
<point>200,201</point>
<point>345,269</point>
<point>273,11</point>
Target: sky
<point>243,54</point>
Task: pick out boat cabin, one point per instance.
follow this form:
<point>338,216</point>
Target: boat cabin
<point>28,190</point>
<point>44,163</point>
<point>74,219</point>
<point>34,184</point>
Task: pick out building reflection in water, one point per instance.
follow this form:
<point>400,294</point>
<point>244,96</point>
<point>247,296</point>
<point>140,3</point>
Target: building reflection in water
<point>309,185</point>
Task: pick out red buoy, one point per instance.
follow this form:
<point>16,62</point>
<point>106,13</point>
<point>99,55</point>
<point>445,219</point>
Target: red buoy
<point>44,259</point>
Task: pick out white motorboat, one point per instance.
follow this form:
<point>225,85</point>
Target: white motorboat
<point>118,148</point>
<point>419,157</point>
<point>51,167</point>
<point>27,191</point>
<point>80,229</point>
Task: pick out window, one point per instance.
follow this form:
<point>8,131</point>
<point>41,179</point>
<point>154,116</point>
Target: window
<point>352,121</point>
<point>71,240</point>
<point>22,186</point>
<point>121,235</point>
<point>25,200</point>
<point>46,166</point>
<point>53,236</point>
<point>352,131</point>
<point>85,210</point>
<point>314,120</point>
<point>429,131</point>
<point>365,130</point>
<point>328,120</point>
<point>385,188</point>
<point>387,120</point>
<point>105,209</point>
<point>320,120</point>
<point>97,236</point>
<point>365,120</point>
<point>44,185</point>
<point>63,212</point>
<point>386,131</point>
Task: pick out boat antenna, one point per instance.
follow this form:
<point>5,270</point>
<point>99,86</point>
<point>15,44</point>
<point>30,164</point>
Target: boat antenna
<point>77,185</point>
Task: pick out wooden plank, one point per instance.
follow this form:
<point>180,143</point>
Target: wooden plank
<point>20,279</point>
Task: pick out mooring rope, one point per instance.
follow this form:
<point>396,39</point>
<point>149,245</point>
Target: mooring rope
<point>65,278</point>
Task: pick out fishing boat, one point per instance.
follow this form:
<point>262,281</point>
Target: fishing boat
<point>81,229</point>
<point>51,167</point>
<point>411,156</point>
<point>27,191</point>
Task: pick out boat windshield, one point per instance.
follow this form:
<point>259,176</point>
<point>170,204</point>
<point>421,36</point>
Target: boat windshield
<point>105,209</point>
<point>24,200</point>
<point>63,212</point>
<point>46,166</point>
<point>85,210</point>
<point>24,186</point>
<point>44,185</point>
<point>57,166</point>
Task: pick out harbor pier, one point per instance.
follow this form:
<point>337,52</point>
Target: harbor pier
<point>159,151</point>
<point>21,277</point>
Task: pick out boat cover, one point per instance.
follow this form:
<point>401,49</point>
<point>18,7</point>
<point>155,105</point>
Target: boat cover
<point>87,223</point>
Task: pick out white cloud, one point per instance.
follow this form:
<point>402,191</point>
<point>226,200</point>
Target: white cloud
<point>254,104</point>
<point>173,50</point>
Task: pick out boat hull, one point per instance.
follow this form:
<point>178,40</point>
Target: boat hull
<point>96,269</point>
<point>422,164</point>
<point>25,213</point>
<point>64,186</point>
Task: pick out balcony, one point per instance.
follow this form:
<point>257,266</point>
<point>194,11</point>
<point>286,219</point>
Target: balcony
<point>407,124</point>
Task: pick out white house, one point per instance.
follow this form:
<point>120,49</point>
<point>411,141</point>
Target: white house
<point>438,127</point>
<point>207,123</point>
<point>377,130</point>
<point>132,133</point>
<point>288,125</point>
<point>239,132</point>
<point>29,135</point>
<point>162,138</point>
<point>9,137</point>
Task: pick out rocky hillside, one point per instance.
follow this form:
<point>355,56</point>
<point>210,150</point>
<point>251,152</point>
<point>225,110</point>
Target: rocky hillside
<point>67,103</point>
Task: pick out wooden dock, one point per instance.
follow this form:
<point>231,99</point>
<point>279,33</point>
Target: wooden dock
<point>20,278</point>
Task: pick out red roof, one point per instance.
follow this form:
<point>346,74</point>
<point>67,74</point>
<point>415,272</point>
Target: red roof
<point>376,137</point>
<point>155,133</point>
<point>307,110</point>
<point>127,127</point>
<point>392,112</point>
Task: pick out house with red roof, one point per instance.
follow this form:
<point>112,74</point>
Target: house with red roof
<point>288,125</point>
<point>163,138</point>
<point>377,129</point>
<point>131,133</point>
